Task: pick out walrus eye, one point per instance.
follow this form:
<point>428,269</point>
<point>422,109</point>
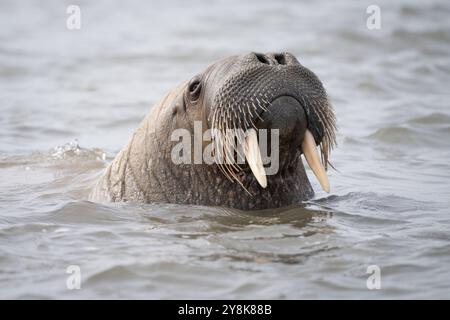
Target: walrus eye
<point>194,89</point>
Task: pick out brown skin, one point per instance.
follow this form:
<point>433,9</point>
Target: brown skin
<point>270,91</point>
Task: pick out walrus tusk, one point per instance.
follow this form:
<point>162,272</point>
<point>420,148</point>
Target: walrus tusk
<point>312,157</point>
<point>253,156</point>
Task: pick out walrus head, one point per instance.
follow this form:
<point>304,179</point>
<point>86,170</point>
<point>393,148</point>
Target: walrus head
<point>248,93</point>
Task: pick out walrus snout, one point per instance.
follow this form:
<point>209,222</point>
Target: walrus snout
<point>272,91</point>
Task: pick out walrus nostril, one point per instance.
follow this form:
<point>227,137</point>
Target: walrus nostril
<point>280,58</point>
<point>262,58</point>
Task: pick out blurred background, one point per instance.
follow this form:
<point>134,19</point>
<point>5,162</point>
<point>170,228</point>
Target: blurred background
<point>70,99</point>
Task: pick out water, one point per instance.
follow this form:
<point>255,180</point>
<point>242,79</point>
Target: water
<point>69,100</point>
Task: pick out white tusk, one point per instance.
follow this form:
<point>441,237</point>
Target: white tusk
<point>312,157</point>
<point>253,156</point>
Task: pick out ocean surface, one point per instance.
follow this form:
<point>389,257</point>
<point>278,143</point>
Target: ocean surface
<point>70,99</point>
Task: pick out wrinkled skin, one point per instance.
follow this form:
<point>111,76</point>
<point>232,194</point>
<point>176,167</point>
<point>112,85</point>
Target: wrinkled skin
<point>270,91</point>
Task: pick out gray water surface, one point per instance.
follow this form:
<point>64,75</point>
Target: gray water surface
<point>69,100</point>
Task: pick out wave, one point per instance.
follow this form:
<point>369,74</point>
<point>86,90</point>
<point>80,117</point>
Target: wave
<point>432,130</point>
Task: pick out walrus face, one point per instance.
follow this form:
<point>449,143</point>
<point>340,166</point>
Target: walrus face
<point>264,91</point>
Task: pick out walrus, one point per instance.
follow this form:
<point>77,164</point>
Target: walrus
<point>251,93</point>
